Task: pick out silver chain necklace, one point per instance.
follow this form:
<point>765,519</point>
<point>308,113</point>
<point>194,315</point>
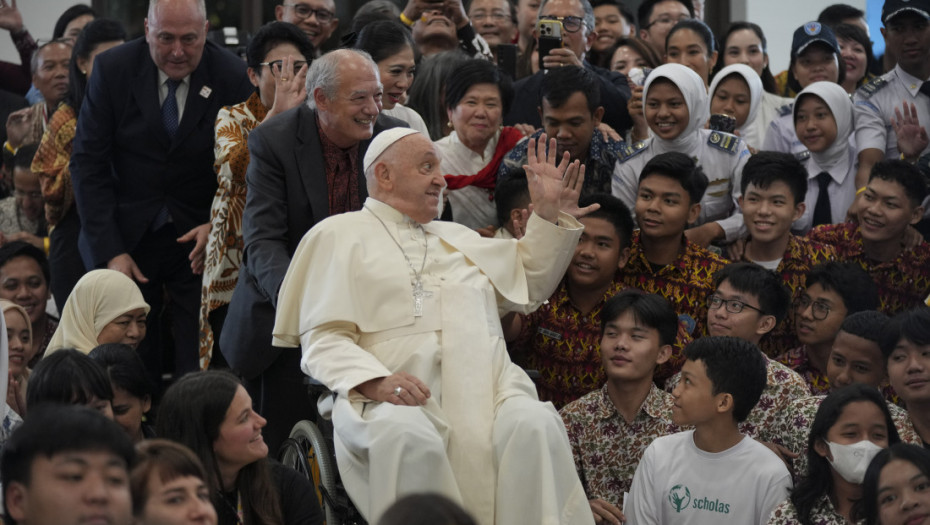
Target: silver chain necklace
<point>418,292</point>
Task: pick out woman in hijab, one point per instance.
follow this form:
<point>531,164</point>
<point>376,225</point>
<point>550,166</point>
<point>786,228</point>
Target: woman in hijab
<point>19,346</point>
<point>676,108</point>
<point>105,306</point>
<point>823,111</point>
<point>736,91</point>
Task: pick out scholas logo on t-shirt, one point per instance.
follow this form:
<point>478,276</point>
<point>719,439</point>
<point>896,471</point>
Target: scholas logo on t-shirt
<point>680,499</point>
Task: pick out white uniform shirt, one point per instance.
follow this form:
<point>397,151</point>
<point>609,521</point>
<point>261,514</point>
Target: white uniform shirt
<point>842,190</point>
<point>875,103</point>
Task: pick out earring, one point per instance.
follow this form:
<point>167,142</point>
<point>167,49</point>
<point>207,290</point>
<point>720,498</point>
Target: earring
<point>450,125</point>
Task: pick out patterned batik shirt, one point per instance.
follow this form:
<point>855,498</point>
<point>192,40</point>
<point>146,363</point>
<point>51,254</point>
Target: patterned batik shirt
<point>902,282</point>
<point>822,513</point>
<point>599,166</point>
<point>606,448</point>
<point>800,256</point>
<point>685,283</point>
<point>563,344</point>
<point>783,386</point>
<point>223,255</point>
<point>791,428</point>
<point>798,360</point>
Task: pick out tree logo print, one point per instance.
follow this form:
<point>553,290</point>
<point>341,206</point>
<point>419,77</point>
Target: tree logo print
<point>679,497</point>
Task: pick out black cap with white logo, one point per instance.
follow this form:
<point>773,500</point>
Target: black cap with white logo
<point>894,8</point>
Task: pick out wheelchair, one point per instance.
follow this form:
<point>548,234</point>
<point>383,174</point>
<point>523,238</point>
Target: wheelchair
<point>310,451</point>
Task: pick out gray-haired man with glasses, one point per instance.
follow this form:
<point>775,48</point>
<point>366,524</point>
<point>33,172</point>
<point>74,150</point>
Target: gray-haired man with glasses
<point>316,18</point>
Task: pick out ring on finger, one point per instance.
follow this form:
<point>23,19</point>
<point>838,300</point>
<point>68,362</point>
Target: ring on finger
<point>398,391</point>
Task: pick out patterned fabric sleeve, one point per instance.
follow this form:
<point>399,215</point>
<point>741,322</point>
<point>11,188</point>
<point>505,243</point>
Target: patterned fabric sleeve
<point>784,514</point>
<point>52,161</point>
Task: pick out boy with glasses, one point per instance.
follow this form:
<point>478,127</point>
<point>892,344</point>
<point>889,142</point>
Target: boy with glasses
<point>834,290</point>
<point>657,17</point>
<point>748,302</point>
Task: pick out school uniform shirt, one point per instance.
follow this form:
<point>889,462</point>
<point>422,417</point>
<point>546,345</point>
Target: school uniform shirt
<point>839,159</point>
<point>875,103</point>
<point>782,385</point>
<point>769,108</point>
<point>671,485</point>
<point>606,447</point>
<point>903,282</point>
<point>563,344</point>
<point>781,135</point>
<point>685,283</point>
<point>822,513</point>
<point>798,360</point>
<point>722,155</point>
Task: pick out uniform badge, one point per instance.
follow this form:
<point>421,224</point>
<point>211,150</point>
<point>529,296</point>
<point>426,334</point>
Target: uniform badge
<point>629,152</point>
<point>872,87</point>
<point>812,28</point>
<point>205,91</point>
<point>724,141</point>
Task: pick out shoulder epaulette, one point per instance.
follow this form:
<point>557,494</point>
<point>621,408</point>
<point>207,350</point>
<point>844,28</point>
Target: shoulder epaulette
<point>632,150</point>
<point>802,155</point>
<point>786,109</point>
<point>872,87</point>
<point>724,141</point>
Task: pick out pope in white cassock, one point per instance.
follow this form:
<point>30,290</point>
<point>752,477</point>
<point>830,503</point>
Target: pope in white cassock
<point>400,316</point>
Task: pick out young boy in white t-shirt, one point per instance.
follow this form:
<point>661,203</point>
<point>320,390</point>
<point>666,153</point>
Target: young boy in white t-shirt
<point>713,474</point>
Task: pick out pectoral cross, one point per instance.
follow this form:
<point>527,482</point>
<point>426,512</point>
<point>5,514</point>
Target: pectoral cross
<point>418,294</point>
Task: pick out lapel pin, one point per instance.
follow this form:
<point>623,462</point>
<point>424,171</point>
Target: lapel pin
<point>205,92</point>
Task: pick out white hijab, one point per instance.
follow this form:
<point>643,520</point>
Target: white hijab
<point>755,90</point>
<point>695,94</point>
<point>841,106</point>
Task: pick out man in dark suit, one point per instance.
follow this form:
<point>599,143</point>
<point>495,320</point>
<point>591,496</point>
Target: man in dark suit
<point>143,166</point>
<point>305,165</point>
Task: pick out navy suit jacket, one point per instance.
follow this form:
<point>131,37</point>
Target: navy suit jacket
<point>287,195</point>
<point>125,167</point>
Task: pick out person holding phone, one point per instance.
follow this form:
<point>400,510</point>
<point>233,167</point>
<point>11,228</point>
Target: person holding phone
<point>575,23</point>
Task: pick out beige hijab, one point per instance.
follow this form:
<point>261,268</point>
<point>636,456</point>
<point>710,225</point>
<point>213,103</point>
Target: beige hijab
<point>6,306</point>
<point>97,299</point>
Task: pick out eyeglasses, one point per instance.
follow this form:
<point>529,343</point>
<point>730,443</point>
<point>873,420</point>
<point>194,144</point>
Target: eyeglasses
<point>496,16</point>
<point>571,23</point>
<point>666,21</point>
<point>819,309</point>
<point>32,195</point>
<point>304,11</point>
<point>278,64</point>
<point>714,302</point>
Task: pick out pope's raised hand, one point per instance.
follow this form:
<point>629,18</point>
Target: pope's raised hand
<point>544,176</point>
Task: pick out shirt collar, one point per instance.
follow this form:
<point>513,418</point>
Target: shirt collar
<point>655,405</point>
<point>908,81</point>
<point>162,78</point>
<point>385,212</point>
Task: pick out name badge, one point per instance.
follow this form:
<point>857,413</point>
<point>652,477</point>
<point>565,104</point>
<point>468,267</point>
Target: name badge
<point>549,333</point>
<point>205,91</point>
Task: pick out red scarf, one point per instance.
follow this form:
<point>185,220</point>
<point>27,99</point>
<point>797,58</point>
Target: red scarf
<point>487,177</point>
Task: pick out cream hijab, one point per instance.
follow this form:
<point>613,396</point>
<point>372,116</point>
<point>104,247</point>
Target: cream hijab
<point>755,90</point>
<point>841,106</point>
<point>97,299</point>
<point>9,305</point>
<point>695,94</point>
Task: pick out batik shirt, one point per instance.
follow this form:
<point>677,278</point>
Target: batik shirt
<point>599,166</point>
<point>606,447</point>
<point>902,282</point>
<point>783,386</point>
<point>798,360</point>
<point>685,283</point>
<point>822,513</point>
<point>800,256</point>
<point>563,344</point>
<point>791,428</point>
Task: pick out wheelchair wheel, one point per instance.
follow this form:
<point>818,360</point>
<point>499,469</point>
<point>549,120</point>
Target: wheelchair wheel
<point>306,451</point>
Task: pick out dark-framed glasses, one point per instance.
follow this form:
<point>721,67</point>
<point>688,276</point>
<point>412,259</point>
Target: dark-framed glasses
<point>733,306</point>
<point>571,23</point>
<point>278,64</point>
<point>305,11</point>
<point>666,20</point>
<point>819,309</point>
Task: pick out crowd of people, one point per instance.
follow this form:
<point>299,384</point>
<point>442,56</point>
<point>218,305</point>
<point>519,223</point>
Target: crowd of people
<point>716,276</point>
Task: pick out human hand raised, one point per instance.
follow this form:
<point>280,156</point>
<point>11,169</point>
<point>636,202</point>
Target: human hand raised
<point>572,183</point>
<point>561,57</point>
<point>912,137</point>
<point>290,88</point>
<point>544,177</point>
<point>10,17</point>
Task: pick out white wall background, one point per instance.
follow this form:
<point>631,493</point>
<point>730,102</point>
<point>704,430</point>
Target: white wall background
<point>778,20</point>
<point>39,17</point>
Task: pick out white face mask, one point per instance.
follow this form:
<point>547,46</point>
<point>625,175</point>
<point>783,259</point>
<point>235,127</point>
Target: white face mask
<point>851,461</point>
